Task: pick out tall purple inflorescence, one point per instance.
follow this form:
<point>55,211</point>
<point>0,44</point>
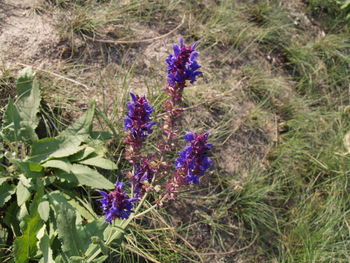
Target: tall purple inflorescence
<point>139,123</point>
<point>193,160</point>
<point>182,66</point>
<point>116,204</point>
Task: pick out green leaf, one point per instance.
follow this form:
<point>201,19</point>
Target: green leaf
<point>62,164</point>
<point>29,169</point>
<point>100,259</point>
<point>22,193</point>
<point>101,135</point>
<point>44,245</point>
<point>83,154</point>
<point>58,147</point>
<point>20,120</point>
<point>89,177</point>
<point>14,129</point>
<point>44,210</point>
<point>6,190</point>
<point>67,232</point>
<point>25,246</point>
<point>85,213</point>
<point>28,101</point>
<point>100,162</point>
<point>24,81</point>
<point>83,126</point>
<point>11,123</point>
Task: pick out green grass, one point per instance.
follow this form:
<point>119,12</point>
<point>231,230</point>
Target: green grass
<point>266,74</point>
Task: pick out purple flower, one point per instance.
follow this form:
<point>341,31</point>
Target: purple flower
<point>142,176</point>
<point>182,66</point>
<point>116,204</point>
<point>193,161</point>
<point>138,121</point>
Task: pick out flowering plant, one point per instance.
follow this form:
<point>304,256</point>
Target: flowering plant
<point>157,169</point>
<point>43,218</point>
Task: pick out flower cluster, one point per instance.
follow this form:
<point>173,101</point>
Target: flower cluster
<point>116,204</point>
<point>153,172</point>
<point>193,161</point>
<point>182,66</point>
<point>138,121</point>
<point>142,177</point>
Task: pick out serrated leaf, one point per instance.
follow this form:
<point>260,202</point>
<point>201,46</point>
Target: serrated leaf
<point>100,162</point>
<point>67,232</point>
<point>29,97</point>
<point>24,81</point>
<point>6,190</point>
<point>89,177</point>
<point>44,210</point>
<point>63,165</point>
<point>83,126</point>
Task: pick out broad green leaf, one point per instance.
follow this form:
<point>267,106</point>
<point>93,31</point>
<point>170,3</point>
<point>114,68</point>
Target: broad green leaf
<point>11,127</point>
<point>90,177</point>
<point>67,231</point>
<point>28,101</point>
<point>22,193</point>
<point>85,213</point>
<point>44,245</point>
<point>25,246</point>
<point>44,210</point>
<point>100,162</point>
<point>6,190</point>
<point>11,122</point>
<point>91,235</point>
<point>62,164</point>
<point>58,147</point>
<point>56,198</point>
<point>83,126</point>
<point>24,81</point>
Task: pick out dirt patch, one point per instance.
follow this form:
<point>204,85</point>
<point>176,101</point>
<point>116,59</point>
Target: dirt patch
<point>24,35</point>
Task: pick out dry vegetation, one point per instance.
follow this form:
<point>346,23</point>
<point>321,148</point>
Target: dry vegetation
<point>274,96</point>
